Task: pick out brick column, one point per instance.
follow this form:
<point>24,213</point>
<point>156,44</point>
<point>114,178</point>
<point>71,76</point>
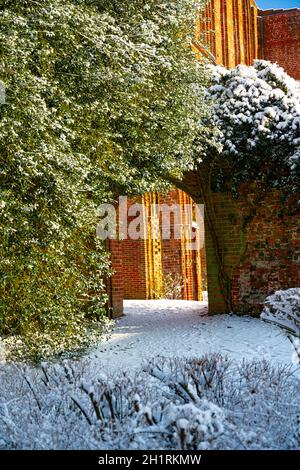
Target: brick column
<point>115,285</point>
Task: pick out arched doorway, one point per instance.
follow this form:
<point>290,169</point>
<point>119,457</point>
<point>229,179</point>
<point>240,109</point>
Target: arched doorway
<point>168,259</point>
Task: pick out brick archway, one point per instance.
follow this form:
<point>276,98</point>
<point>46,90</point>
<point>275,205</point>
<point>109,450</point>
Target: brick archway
<point>266,256</point>
<point>160,267</point>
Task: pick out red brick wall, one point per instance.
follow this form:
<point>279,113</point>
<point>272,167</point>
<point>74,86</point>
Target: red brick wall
<point>171,259</point>
<point>133,262</point>
<point>178,259</point>
<point>280,39</point>
<point>134,269</point>
<point>116,283</point>
<point>129,261</point>
<point>260,259</point>
<point>228,28</point>
<point>272,256</point>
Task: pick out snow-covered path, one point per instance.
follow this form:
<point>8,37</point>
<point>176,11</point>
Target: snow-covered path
<point>181,328</point>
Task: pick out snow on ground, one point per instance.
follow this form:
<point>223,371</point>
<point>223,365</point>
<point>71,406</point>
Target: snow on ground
<point>180,328</point>
<point>188,404</point>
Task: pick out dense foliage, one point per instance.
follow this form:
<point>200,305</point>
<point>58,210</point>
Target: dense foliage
<point>257,112</point>
<point>98,92</point>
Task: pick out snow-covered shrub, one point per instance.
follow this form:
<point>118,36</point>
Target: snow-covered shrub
<point>296,345</point>
<point>182,423</point>
<point>193,379</point>
<point>170,404</point>
<point>283,309</point>
<point>41,345</point>
<point>184,426</point>
<point>257,111</point>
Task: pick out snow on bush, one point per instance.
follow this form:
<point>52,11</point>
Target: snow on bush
<point>205,403</point>
<point>257,110</point>
<point>283,309</point>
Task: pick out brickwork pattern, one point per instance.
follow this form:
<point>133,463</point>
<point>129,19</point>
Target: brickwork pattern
<point>145,263</point>
<point>280,39</point>
<point>260,259</point>
<point>228,28</point>
<point>272,257</point>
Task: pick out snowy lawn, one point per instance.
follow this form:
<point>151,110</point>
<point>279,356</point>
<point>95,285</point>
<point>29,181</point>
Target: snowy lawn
<point>176,328</point>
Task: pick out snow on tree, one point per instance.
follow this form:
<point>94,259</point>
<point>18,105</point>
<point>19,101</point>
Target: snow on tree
<point>97,94</point>
<point>257,112</point>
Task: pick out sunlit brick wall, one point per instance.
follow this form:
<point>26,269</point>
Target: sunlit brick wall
<point>280,38</point>
<point>228,28</point>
